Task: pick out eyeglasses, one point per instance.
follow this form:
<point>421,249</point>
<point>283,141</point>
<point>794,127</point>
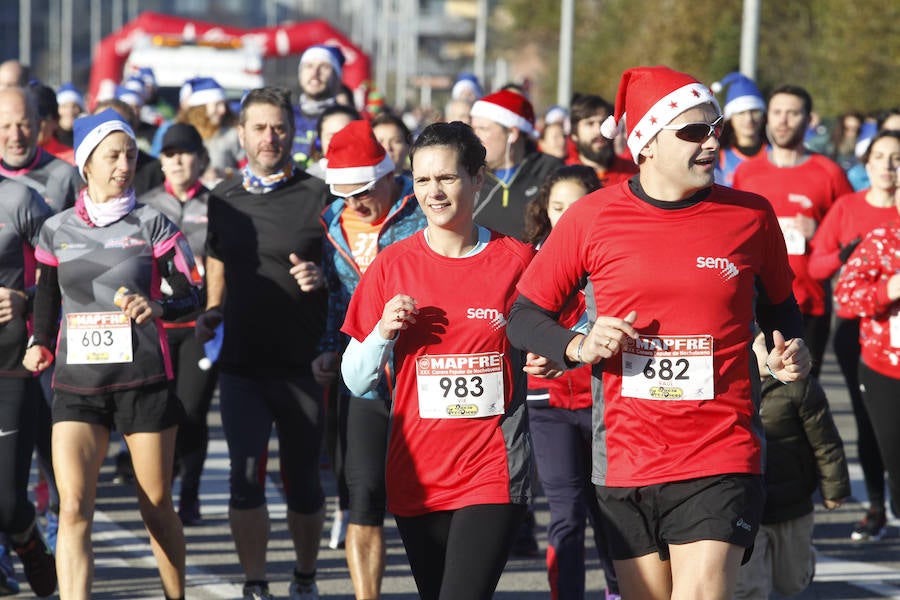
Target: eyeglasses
<point>697,132</point>
<point>357,193</point>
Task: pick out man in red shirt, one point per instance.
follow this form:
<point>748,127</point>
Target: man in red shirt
<point>594,150</point>
<point>801,186</point>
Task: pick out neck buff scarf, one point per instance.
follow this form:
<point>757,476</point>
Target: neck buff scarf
<point>101,214</point>
<point>263,185</point>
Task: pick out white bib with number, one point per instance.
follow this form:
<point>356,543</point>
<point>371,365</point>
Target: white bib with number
<point>668,367</point>
<point>98,338</point>
<point>793,238</point>
<point>460,386</point>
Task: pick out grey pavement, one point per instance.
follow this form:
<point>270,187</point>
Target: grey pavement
<point>125,568</point>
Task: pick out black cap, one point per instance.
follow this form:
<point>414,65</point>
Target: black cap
<point>184,136</point>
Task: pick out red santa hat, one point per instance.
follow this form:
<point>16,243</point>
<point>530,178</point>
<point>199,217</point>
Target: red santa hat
<point>508,109</point>
<point>355,156</point>
<point>648,99</point>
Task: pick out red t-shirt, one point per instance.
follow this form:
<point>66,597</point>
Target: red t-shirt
<point>689,270</point>
<point>851,217</point>
<point>809,189</point>
<point>621,169</point>
<point>448,463</point>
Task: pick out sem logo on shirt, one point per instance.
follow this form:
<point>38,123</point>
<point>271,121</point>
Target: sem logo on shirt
<point>727,270</point>
<point>800,199</point>
<point>124,242</point>
<point>496,318</point>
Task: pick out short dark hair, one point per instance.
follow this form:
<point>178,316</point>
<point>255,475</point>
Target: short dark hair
<point>336,109</point>
<point>795,90</point>
<point>387,118</point>
<point>275,96</point>
<point>585,106</point>
<point>456,135</point>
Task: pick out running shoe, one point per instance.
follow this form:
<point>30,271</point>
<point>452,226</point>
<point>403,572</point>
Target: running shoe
<point>339,529</point>
<point>299,591</point>
<point>8,584</point>
<point>257,592</point>
<point>189,512</point>
<point>872,528</point>
<point>38,562</point>
<point>124,468</point>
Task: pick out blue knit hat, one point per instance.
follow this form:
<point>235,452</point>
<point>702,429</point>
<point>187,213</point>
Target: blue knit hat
<point>742,94</point>
<point>332,54</point>
<point>466,82</point>
<point>90,130</point>
<point>205,90</point>
<point>130,96</point>
<point>69,93</point>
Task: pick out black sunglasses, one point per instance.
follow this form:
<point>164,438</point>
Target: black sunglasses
<point>697,132</point>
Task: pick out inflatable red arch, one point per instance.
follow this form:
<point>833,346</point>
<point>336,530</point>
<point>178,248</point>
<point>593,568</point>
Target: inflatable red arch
<point>281,40</point>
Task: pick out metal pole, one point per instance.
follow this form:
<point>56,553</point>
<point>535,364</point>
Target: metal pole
<point>68,19</point>
<point>481,42</point>
<point>54,45</point>
<point>96,27</point>
<point>566,35</point>
<point>750,38</point>
<point>25,32</point>
<point>118,17</point>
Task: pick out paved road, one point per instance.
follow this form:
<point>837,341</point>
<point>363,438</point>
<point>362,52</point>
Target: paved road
<point>125,568</point>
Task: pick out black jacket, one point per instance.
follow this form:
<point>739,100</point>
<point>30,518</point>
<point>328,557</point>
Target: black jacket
<point>803,449</point>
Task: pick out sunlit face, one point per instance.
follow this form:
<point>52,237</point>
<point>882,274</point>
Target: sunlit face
<point>109,169</point>
<point>181,167</point>
<point>444,189</point>
<point>394,143</point>
<point>787,121</point>
<point>68,112</point>
<point>372,205</point>
<point>892,123</point>
<point>215,112</point>
<point>494,138</point>
<point>563,194</point>
<point>317,78</point>
<point>331,126</point>
<point>591,144</point>
<point>679,166</point>
<point>884,160</point>
<point>18,130</point>
<point>265,136</point>
<point>553,140</point>
<point>746,123</point>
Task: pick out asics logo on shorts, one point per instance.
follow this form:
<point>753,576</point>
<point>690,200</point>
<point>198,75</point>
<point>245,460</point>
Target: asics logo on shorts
<point>744,525</point>
<point>496,318</point>
<point>727,269</point>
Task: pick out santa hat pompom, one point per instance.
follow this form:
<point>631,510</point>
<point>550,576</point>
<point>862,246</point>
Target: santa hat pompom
<point>609,128</point>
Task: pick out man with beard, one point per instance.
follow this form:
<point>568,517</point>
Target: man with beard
<point>802,186</point>
<point>263,243</point>
<point>504,122</point>
<point>588,113</point>
<point>319,75</point>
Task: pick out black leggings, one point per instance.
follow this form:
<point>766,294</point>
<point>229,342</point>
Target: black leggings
<point>846,350</point>
<point>195,388</point>
<point>19,402</point>
<point>882,397</point>
<point>815,334</point>
<point>460,553</point>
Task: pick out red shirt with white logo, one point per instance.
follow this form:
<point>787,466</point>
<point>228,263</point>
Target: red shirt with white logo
<point>809,188</point>
<point>456,357</point>
<point>691,270</point>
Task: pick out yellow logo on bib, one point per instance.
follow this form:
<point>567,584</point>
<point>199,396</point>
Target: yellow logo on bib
<point>666,393</point>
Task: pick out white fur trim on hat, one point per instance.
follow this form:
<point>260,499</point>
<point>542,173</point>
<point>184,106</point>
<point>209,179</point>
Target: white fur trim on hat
<point>503,116</point>
<point>93,138</point>
<point>70,96</point>
<point>321,54</point>
<point>361,174</point>
<point>203,97</point>
<point>743,103</point>
<point>664,110</point>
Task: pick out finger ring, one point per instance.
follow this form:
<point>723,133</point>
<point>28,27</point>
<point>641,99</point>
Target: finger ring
<point>608,341</point>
